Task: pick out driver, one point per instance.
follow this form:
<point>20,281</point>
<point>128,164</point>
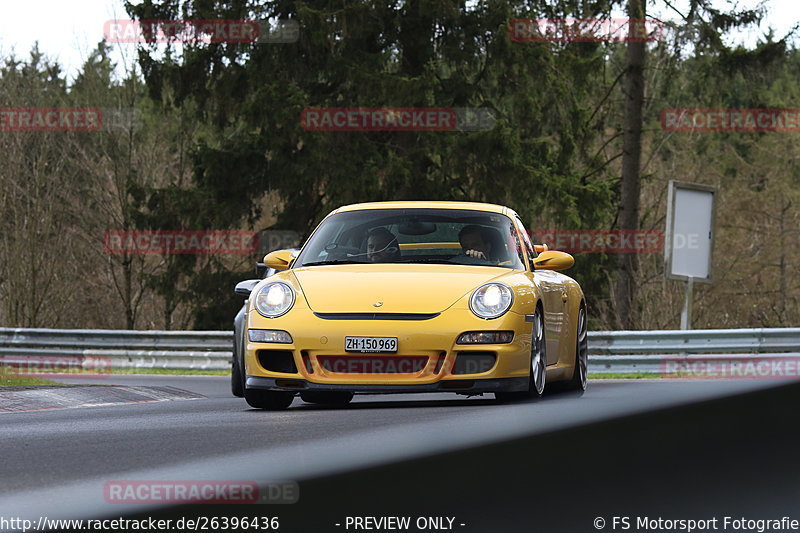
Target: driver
<point>475,243</point>
<point>382,246</point>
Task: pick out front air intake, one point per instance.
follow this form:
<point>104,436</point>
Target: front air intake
<point>376,316</point>
<point>277,361</point>
<point>474,362</point>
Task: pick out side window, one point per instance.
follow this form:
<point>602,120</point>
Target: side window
<point>525,238</point>
<point>515,246</point>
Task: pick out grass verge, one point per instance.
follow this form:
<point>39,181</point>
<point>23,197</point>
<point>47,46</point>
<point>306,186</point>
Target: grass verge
<point>636,375</point>
<point>172,371</point>
<point>24,382</point>
<point>15,380</point>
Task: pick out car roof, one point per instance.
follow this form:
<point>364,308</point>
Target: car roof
<point>473,206</point>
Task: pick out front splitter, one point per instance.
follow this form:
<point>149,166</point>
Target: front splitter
<point>462,386</point>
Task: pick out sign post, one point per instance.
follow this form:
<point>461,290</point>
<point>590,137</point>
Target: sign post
<point>689,241</point>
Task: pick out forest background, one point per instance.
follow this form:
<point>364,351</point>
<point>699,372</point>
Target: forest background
<point>207,136</point>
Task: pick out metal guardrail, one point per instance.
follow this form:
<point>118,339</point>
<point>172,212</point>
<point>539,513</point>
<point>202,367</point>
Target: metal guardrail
<point>609,351</point>
<point>187,350</point>
<point>660,352</point>
<point>698,341</point>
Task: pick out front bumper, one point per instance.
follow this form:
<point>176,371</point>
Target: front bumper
<point>460,386</point>
<point>432,340</point>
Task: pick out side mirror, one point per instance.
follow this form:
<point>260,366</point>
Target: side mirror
<point>553,260</point>
<point>279,259</point>
<point>244,288</point>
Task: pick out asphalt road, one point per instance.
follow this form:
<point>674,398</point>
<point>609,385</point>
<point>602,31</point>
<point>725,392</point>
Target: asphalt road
<point>58,460</point>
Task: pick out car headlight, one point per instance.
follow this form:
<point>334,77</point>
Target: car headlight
<point>491,300</point>
<point>274,299</point>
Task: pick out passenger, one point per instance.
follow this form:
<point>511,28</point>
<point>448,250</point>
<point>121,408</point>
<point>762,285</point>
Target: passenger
<point>382,246</point>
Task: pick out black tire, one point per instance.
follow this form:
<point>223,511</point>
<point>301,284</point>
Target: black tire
<point>327,398</point>
<point>537,376</point>
<point>238,375</point>
<point>579,378</point>
<point>237,378</point>
<point>267,399</point>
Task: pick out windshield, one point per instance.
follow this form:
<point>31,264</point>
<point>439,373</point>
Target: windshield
<point>439,236</point>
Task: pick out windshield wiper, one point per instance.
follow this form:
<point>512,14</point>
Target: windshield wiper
<point>430,261</point>
<point>334,262</point>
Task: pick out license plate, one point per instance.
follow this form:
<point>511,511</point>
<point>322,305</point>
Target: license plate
<point>370,344</point>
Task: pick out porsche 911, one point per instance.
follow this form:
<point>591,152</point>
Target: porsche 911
<point>403,297</point>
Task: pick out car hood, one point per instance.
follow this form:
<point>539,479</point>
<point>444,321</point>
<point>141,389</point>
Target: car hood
<point>405,288</point>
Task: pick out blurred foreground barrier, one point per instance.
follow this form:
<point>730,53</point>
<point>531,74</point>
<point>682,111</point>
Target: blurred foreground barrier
<point>610,351</point>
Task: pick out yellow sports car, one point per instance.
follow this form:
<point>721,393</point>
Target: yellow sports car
<point>411,297</point>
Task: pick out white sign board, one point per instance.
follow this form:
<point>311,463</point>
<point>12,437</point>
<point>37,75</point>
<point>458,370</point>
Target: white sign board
<point>690,231</point>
